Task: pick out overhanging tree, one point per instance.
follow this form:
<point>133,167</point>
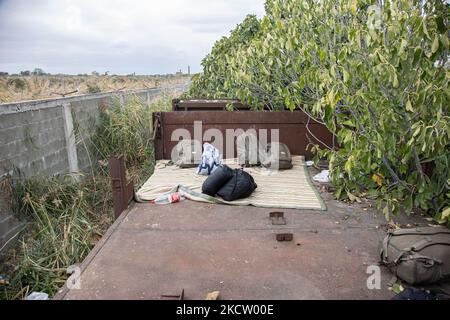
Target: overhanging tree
<point>374,72</point>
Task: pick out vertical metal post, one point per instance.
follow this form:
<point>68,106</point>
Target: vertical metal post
<point>122,192</point>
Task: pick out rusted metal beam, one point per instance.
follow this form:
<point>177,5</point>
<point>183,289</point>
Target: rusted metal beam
<point>215,105</point>
<point>157,135</point>
<point>206,104</point>
<point>122,192</point>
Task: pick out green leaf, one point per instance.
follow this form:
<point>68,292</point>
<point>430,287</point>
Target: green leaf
<point>435,45</point>
<point>354,6</point>
<point>348,164</point>
<point>416,132</point>
<point>395,82</point>
<point>323,55</point>
<point>349,123</point>
<point>444,216</point>
<point>346,75</point>
<point>409,106</point>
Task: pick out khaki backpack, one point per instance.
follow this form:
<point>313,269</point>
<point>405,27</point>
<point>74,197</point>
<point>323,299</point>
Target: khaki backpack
<point>278,156</point>
<point>419,255</point>
<point>249,150</point>
<point>187,153</point>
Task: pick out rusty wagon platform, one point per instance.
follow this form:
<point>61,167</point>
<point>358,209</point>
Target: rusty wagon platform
<point>152,251</point>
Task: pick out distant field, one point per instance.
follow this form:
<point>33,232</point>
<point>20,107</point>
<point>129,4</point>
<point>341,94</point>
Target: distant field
<point>18,88</point>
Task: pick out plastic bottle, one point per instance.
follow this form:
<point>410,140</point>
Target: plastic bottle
<point>167,199</point>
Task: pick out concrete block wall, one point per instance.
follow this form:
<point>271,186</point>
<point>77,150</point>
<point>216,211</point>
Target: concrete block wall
<point>33,142</point>
<point>37,138</point>
<point>34,137</point>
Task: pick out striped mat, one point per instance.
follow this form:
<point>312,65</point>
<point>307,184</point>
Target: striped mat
<point>276,189</point>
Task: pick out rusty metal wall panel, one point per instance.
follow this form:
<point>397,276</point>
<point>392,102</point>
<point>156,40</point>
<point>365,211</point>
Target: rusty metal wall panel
<point>291,125</point>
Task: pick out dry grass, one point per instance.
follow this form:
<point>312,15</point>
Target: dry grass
<point>18,88</point>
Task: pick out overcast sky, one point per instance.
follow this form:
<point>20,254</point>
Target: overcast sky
<point>120,36</point>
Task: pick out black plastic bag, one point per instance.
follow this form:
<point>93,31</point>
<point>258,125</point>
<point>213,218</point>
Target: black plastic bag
<point>241,185</point>
<point>217,180</point>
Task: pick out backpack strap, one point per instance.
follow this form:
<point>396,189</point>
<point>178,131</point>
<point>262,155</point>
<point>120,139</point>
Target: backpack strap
<point>416,231</point>
<point>422,244</point>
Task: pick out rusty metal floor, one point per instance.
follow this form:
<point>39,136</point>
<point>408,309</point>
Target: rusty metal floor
<point>156,250</point>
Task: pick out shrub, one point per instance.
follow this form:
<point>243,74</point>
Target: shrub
<point>18,83</point>
<point>93,87</point>
<point>376,76</point>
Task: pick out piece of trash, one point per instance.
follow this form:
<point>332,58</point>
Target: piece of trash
<point>396,288</point>
<point>3,281</point>
<point>168,198</point>
<point>323,176</point>
<point>309,163</point>
<point>213,295</point>
<point>37,296</point>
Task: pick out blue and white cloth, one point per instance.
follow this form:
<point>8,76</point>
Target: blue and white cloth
<point>210,160</point>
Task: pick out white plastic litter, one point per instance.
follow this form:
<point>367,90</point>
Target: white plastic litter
<point>323,176</point>
<point>309,163</point>
<point>37,296</point>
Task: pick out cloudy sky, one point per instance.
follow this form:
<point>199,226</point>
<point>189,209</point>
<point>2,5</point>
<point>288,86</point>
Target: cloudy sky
<point>120,36</point>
